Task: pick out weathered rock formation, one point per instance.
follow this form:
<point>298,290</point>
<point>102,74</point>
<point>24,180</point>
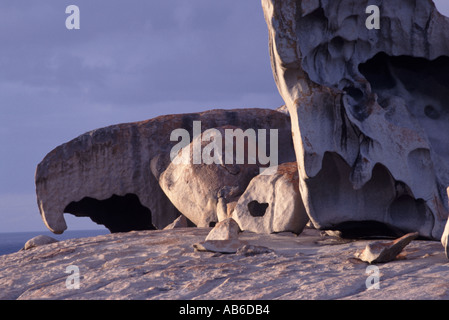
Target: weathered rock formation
<point>272,203</point>
<point>369,111</point>
<point>111,174</point>
<point>200,190</point>
<point>205,186</point>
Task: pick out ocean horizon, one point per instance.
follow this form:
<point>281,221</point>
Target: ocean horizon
<point>11,242</point>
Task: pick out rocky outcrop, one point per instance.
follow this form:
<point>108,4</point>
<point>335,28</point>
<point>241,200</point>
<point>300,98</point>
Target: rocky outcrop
<point>111,174</point>
<point>272,203</point>
<point>162,264</point>
<point>369,111</point>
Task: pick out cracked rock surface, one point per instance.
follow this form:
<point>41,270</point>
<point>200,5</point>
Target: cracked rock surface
<point>162,264</point>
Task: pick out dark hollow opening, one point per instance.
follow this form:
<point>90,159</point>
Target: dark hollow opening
<point>416,74</point>
<point>431,112</point>
<point>367,230</point>
<point>377,72</point>
<point>118,213</point>
<point>355,93</point>
<point>257,209</point>
<point>423,87</point>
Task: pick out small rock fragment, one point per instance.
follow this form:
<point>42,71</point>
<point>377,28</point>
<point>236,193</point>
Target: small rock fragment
<point>222,246</point>
<point>224,230</point>
<point>381,252</point>
<point>251,250</point>
<point>38,241</point>
<point>180,222</point>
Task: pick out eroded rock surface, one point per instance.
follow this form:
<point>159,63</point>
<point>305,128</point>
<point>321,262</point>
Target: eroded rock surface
<point>111,174</point>
<point>369,111</point>
<point>272,203</point>
<point>203,186</point>
<point>162,264</point>
<point>195,188</point>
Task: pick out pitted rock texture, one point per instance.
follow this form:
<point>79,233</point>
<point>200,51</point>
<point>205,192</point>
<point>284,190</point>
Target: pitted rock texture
<point>369,111</point>
<point>162,264</point>
<point>111,174</point>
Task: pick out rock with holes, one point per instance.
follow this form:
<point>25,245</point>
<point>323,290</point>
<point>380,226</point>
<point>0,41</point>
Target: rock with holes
<point>111,174</point>
<point>203,188</point>
<point>272,203</point>
<point>369,111</point>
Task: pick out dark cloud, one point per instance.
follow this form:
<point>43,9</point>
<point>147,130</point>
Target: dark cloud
<point>130,61</point>
<point>144,52</point>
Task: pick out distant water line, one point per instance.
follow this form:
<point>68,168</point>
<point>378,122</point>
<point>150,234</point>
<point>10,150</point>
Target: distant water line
<point>11,242</point>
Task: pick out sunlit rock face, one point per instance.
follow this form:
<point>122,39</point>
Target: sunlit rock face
<point>206,191</point>
<point>369,110</point>
<point>272,203</point>
<point>111,174</point>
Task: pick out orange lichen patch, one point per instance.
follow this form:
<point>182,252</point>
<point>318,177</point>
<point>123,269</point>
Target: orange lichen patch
<point>290,171</point>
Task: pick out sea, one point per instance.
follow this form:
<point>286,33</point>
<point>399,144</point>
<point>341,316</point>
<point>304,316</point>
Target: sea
<point>11,242</point>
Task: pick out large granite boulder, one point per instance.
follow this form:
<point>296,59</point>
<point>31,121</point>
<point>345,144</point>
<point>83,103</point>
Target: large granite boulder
<point>369,111</point>
<point>111,174</point>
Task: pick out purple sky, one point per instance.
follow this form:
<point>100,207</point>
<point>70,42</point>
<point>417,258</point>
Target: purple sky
<point>130,61</point>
